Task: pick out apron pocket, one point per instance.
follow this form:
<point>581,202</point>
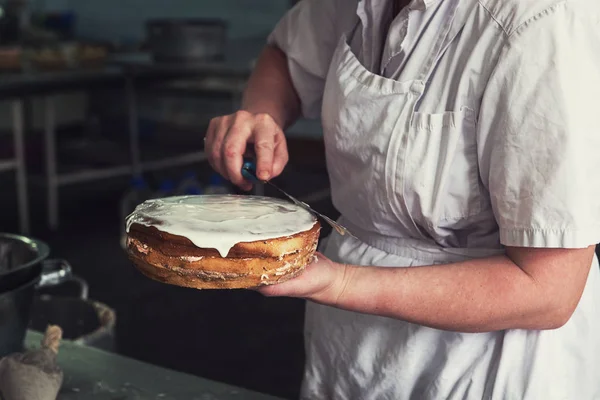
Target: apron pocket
<point>441,173</point>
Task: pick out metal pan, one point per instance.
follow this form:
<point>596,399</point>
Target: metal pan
<point>15,304</point>
<point>20,260</point>
<point>187,40</point>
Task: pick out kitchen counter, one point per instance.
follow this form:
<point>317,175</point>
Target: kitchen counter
<point>94,374</point>
<point>238,63</point>
<point>22,84</point>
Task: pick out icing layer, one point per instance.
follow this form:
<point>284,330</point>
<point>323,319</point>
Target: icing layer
<point>222,221</point>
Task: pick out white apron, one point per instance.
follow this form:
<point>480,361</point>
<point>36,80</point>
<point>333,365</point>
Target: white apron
<point>388,167</point>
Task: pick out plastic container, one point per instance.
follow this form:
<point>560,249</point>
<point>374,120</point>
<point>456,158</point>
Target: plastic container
<point>217,185</point>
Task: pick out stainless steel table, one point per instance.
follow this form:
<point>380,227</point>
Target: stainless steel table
<point>93,374</point>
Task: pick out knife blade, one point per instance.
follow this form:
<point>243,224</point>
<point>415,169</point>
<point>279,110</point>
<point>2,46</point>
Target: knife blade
<point>249,173</point>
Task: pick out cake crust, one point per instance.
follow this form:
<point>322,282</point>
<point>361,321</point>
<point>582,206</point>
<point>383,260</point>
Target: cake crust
<point>175,260</point>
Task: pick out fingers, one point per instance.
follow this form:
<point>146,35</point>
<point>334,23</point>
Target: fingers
<point>310,280</point>
<point>213,140</point>
<point>208,141</point>
<point>323,281</point>
<point>228,138</point>
<point>270,148</point>
<point>264,146</point>
<point>234,147</point>
<point>280,154</point>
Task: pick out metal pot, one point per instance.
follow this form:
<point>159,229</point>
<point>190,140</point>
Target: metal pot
<point>187,40</point>
<point>24,268</point>
<point>20,260</point>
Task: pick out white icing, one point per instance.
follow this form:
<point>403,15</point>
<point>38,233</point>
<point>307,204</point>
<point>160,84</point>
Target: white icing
<point>222,221</point>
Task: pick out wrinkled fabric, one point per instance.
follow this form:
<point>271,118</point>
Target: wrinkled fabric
<point>467,127</point>
<point>356,356</point>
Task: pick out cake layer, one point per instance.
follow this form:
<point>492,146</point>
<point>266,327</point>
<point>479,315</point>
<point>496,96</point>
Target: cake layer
<point>176,260</point>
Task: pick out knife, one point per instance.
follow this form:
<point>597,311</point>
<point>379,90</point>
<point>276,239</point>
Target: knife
<point>249,173</point>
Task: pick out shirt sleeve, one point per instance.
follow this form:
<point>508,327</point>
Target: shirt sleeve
<point>308,35</point>
<point>539,132</point>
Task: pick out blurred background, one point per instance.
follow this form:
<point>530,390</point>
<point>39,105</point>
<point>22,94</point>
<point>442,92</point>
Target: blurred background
<point>104,104</point>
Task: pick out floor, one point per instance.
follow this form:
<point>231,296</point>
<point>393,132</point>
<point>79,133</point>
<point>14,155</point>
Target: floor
<point>237,337</point>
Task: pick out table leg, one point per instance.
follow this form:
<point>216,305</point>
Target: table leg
<point>21,174</point>
<point>134,132</point>
<point>51,168</point>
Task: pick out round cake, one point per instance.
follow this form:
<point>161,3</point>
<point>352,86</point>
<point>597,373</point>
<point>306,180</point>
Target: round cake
<point>221,241</point>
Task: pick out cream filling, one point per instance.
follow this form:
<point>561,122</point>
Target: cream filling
<point>222,221</point>
<point>283,270</point>
<point>140,247</point>
<point>191,258</point>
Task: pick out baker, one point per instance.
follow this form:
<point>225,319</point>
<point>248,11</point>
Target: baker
<point>461,140</point>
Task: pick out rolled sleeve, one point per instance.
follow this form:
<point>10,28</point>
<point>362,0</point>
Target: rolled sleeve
<point>308,35</point>
<point>539,132</point>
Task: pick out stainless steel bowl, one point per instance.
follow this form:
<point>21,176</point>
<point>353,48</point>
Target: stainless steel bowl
<point>24,267</point>
<point>21,260</point>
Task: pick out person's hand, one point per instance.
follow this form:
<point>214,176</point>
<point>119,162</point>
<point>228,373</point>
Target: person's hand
<point>229,136</point>
<point>322,281</point>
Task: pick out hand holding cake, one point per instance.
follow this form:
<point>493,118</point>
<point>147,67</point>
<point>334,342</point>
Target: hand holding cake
<point>323,281</point>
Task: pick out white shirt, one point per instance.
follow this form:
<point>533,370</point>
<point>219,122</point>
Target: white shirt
<point>500,151</point>
<point>529,71</point>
